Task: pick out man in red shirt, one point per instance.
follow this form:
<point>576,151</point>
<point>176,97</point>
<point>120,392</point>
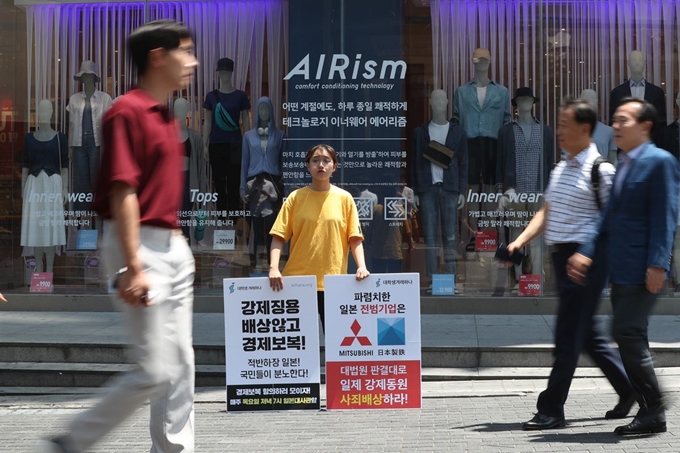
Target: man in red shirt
<point>139,191</point>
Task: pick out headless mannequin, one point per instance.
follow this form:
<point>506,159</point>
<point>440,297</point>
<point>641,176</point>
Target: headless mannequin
<point>45,133</point>
<point>226,87</point>
<point>590,96</point>
<point>438,104</point>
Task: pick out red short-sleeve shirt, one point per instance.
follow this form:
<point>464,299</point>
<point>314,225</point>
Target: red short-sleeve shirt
<point>141,147</point>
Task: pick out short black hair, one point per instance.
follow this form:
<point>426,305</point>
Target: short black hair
<point>584,112</point>
<point>152,35</point>
<point>647,111</point>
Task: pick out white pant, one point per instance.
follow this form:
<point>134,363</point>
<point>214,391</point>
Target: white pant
<point>162,347</point>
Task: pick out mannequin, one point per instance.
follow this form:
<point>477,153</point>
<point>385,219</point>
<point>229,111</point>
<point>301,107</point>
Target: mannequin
<point>195,168</point>
<point>671,134</point>
<point>222,136</point>
<point>526,154</point>
<point>648,92</point>
<point>439,192</point>
<point>44,187</point>
<point>261,171</point>
<point>603,135</point>
<point>86,110</point>
<point>481,107</point>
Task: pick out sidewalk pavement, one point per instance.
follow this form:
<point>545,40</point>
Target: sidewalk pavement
<point>457,416</point>
<point>454,418</point>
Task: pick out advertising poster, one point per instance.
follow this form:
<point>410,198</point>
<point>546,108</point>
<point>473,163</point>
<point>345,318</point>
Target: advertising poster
<point>345,89</point>
<point>373,342</point>
<point>271,345</point>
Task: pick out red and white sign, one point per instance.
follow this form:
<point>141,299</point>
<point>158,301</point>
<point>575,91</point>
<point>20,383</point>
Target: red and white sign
<point>41,282</point>
<point>485,241</point>
<point>530,285</point>
<point>373,342</point>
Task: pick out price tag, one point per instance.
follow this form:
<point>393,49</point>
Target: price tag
<point>41,282</point>
<point>86,240</point>
<point>530,285</point>
<point>443,284</point>
<point>224,240</point>
<point>485,241</point>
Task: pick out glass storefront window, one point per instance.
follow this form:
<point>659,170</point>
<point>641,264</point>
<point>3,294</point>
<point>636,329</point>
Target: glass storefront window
<point>443,114</point>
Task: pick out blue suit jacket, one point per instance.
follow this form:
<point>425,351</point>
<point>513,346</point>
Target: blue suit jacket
<point>639,223</point>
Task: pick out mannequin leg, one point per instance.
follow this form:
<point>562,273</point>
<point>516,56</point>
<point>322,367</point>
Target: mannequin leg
<point>39,254</point>
<point>49,257</point>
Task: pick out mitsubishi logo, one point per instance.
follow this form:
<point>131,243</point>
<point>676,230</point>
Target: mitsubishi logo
<point>349,341</point>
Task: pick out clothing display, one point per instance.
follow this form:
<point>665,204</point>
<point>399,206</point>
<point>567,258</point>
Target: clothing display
<point>438,200</point>
<point>232,104</point>
<point>43,207</point>
<point>319,226</point>
<point>525,166</point>
<point>256,160</point>
<point>485,120</point>
<point>225,146</point>
<point>100,102</point>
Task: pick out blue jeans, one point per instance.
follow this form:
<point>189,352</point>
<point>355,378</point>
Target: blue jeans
<point>85,169</point>
<point>439,210</point>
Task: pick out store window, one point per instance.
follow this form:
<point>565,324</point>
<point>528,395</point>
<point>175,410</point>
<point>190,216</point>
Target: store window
<point>442,113</point>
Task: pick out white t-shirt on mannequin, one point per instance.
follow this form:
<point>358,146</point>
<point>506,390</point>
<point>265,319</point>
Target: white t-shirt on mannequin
<point>438,133</point>
<point>481,95</point>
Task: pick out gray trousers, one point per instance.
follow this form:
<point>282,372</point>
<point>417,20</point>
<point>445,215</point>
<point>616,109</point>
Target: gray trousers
<point>162,347</point>
<point>632,305</point>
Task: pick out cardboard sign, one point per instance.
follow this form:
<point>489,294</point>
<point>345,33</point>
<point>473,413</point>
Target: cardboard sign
<point>530,285</point>
<point>443,284</point>
<point>41,282</point>
<point>485,241</point>
<point>373,352</point>
<point>272,345</point>
<point>224,240</point>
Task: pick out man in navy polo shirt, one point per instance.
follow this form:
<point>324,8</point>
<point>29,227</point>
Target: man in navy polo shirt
<point>139,191</point>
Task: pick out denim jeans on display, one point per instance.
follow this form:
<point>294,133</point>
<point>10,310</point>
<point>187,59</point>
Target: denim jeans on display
<point>85,169</point>
<point>439,211</point>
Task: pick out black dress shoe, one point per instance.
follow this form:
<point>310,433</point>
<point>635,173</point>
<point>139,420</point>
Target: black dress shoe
<point>622,409</point>
<point>541,421</point>
<point>639,427</point>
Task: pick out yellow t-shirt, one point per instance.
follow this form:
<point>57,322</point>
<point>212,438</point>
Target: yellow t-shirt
<point>319,226</point>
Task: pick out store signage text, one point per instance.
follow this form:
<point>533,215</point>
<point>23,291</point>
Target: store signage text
<point>340,62</point>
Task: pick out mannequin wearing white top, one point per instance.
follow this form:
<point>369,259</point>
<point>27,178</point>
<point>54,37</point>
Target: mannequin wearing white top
<point>45,133</point>
<point>438,105</point>
<point>439,191</point>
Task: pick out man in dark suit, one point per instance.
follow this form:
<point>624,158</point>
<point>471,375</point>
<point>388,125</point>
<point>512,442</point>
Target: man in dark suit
<point>640,88</point>
<point>638,225</point>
